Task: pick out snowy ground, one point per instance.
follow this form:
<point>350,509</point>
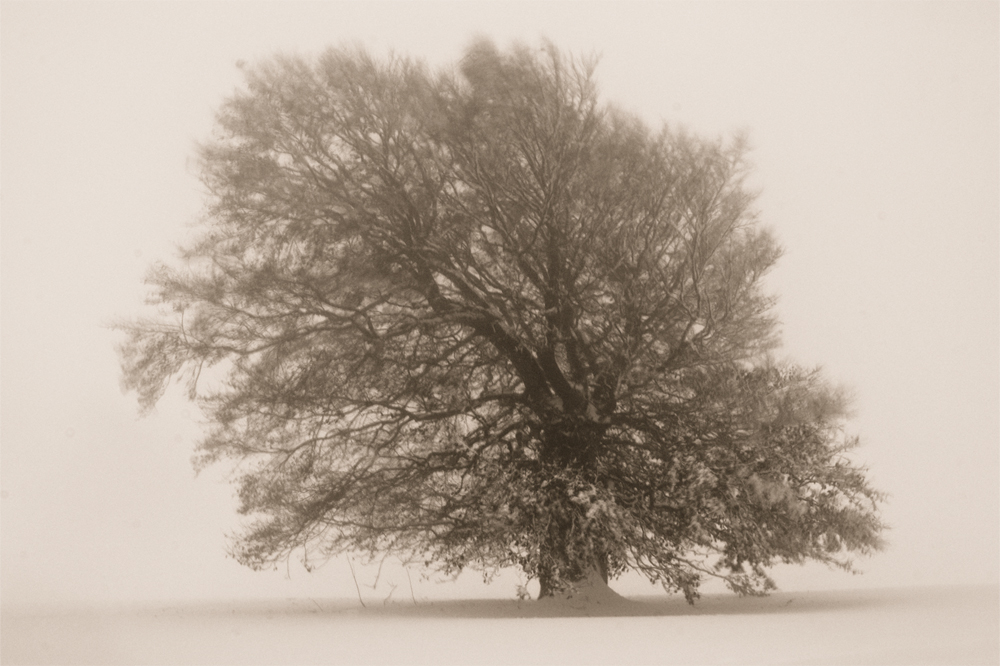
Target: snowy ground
<point>897,626</point>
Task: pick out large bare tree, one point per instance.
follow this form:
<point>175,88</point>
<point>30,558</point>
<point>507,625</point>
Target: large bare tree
<point>481,319</point>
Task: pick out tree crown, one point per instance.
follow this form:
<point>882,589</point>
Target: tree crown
<point>479,317</point>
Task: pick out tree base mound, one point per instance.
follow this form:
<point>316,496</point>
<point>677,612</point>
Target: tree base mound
<point>590,593</point>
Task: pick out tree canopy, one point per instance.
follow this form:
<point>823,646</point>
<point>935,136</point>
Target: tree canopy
<point>480,318</point>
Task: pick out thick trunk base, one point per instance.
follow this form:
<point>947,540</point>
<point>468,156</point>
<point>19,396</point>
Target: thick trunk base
<point>590,591</point>
<point>578,574</point>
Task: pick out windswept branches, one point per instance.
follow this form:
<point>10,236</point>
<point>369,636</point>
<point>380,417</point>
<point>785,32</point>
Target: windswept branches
<point>480,317</point>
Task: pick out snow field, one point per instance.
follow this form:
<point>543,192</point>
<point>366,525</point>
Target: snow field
<point>893,626</point>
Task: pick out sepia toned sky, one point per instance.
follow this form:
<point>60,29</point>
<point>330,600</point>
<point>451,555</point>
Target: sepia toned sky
<point>874,129</point>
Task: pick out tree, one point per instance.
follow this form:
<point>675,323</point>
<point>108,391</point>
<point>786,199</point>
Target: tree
<point>482,319</point>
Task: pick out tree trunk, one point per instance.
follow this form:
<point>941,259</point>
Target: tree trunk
<point>568,556</point>
<point>563,566</point>
<point>549,589</point>
<point>591,589</point>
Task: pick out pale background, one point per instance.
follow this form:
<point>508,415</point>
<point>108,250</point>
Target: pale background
<point>875,134</point>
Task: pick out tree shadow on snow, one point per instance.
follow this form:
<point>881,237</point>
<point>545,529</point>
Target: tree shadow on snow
<point>649,606</point>
<point>646,606</point>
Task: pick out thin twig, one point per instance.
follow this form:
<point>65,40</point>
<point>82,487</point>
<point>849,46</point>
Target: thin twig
<point>356,586</point>
<point>407,570</point>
